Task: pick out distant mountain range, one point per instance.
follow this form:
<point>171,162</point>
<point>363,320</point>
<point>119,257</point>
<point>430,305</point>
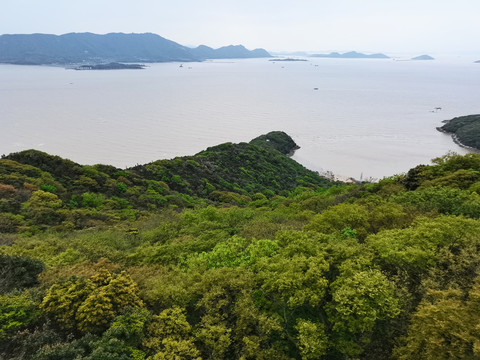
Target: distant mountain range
<point>77,48</point>
<point>351,55</point>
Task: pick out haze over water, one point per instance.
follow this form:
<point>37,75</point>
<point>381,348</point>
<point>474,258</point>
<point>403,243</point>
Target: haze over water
<point>368,117</point>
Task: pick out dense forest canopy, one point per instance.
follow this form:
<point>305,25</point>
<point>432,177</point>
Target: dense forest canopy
<point>237,252</point>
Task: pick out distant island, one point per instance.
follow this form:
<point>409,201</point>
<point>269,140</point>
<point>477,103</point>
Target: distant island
<point>288,59</point>
<point>477,62</point>
<point>351,55</point>
<point>111,66</point>
<point>423,57</point>
<point>88,48</point>
<point>465,130</point>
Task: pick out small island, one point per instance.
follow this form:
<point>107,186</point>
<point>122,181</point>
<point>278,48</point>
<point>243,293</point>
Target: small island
<point>111,66</point>
<point>352,55</point>
<point>465,131</point>
<point>477,62</point>
<point>423,57</point>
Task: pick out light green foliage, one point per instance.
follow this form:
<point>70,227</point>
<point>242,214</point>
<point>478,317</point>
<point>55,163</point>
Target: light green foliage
<point>68,257</point>
<point>298,280</point>
<point>333,220</point>
<point>90,171</point>
<point>110,296</point>
<point>62,300</point>
<point>236,251</point>
<point>86,182</point>
<point>92,200</point>
<point>215,337</point>
<point>346,272</point>
<point>369,216</point>
<point>361,299</point>
<point>312,340</point>
<point>42,199</point>
<point>459,179</point>
<point>415,248</point>
<point>444,327</point>
<point>16,312</point>
<point>169,336</point>
<point>444,200</point>
<point>90,305</point>
<point>162,287</point>
<point>219,290</point>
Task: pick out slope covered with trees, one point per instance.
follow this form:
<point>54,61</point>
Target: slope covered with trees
<point>310,270</point>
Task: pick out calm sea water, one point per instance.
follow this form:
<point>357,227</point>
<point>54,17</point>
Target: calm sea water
<point>369,118</point>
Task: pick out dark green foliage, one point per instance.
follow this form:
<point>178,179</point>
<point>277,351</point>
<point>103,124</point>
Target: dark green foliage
<point>466,130</point>
<point>18,272</point>
<point>242,168</point>
<point>58,167</point>
<point>227,173</point>
<point>277,140</point>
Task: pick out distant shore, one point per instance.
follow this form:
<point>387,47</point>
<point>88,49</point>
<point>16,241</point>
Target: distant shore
<point>111,66</point>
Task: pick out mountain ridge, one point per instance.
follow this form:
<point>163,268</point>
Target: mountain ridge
<point>71,48</point>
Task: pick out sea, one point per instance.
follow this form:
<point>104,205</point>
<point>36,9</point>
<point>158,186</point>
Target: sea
<point>360,118</point>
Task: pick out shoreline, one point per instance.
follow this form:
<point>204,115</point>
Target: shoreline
<point>292,152</point>
<point>457,141</point>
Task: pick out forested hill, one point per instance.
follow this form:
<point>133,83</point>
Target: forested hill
<point>226,173</point>
<point>114,47</point>
<point>237,253</point>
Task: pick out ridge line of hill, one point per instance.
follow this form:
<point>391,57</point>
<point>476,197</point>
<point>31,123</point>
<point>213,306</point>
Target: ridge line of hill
<point>74,48</point>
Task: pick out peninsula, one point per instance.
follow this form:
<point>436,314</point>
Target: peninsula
<point>465,130</point>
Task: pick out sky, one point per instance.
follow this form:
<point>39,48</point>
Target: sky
<point>389,26</point>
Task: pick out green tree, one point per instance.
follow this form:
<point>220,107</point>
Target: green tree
<point>90,305</point>
<point>312,341</point>
<point>18,272</point>
<point>16,312</point>
<point>359,300</point>
<point>169,336</point>
<point>444,327</point>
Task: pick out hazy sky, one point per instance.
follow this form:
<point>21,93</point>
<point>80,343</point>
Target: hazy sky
<point>409,26</point>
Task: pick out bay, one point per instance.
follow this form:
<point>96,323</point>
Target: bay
<point>366,118</point>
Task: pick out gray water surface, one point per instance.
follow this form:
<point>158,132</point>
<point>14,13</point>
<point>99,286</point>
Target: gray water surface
<point>367,117</point>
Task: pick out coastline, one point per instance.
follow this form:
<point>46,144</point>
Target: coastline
<point>292,152</point>
<point>457,141</point>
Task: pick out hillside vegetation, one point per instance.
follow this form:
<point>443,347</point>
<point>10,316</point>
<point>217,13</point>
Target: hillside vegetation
<point>237,252</point>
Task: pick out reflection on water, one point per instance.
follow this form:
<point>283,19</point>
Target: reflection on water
<point>369,117</point>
